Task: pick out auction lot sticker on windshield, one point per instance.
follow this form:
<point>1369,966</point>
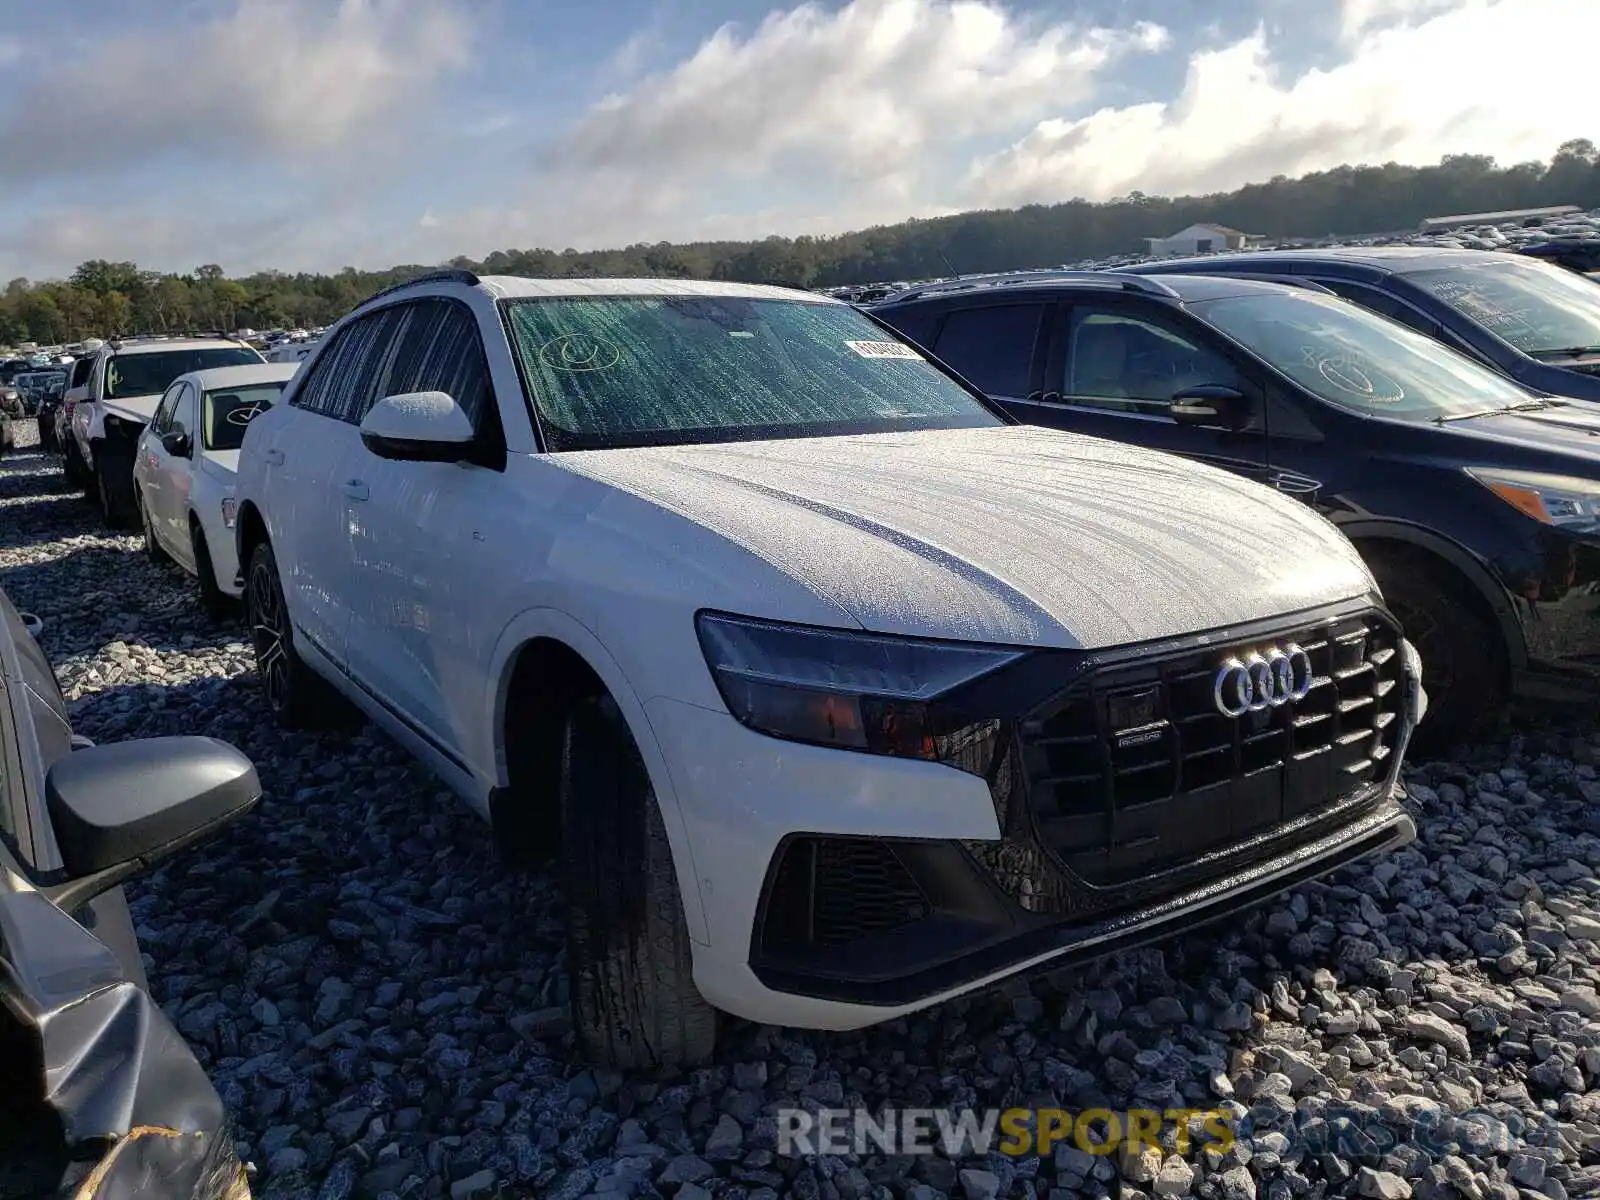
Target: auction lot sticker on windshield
<point>883,350</point>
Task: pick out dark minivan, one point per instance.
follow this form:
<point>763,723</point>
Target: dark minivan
<point>1475,502</point>
<point>1526,318</point>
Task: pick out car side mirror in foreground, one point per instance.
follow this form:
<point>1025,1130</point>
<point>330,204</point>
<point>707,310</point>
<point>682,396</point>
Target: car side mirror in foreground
<point>121,808</point>
<point>1212,404</point>
<point>175,444</point>
<point>418,427</point>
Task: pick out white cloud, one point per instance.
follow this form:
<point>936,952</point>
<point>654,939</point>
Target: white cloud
<point>281,77</point>
<point>865,95</point>
<point>1356,17</point>
<point>1450,82</point>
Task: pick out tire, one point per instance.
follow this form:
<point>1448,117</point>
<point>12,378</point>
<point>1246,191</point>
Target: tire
<point>152,548</point>
<point>72,463</point>
<point>1465,667</point>
<point>298,697</point>
<point>113,478</point>
<point>629,957</point>
<point>218,604</point>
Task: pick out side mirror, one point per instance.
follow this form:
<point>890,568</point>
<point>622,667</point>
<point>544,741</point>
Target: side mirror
<point>176,444</point>
<point>418,427</point>
<point>119,809</point>
<point>1212,404</point>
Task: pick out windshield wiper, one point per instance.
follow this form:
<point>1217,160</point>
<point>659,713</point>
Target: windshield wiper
<point>1567,352</point>
<point>1520,406</point>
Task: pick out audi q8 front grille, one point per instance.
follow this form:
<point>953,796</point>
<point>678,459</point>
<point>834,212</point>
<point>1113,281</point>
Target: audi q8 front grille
<point>1136,769</point>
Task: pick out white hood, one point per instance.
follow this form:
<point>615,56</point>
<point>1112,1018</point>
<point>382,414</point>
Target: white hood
<point>1015,534</point>
<point>134,408</point>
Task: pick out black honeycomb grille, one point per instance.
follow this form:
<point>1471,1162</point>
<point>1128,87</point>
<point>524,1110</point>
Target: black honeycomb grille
<point>1135,770</point>
<point>829,892</point>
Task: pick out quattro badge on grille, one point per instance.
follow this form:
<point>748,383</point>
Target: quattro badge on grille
<point>1259,681</point>
<point>1134,717</point>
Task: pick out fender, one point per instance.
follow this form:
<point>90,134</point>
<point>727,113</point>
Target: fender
<point>1476,571</point>
<point>559,626</point>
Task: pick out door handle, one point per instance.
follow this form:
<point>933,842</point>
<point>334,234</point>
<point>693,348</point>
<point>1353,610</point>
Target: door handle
<point>273,456</point>
<point>355,489</point>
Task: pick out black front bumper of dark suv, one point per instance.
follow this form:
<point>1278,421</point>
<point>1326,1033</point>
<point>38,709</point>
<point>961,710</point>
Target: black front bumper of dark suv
<point>1130,808</point>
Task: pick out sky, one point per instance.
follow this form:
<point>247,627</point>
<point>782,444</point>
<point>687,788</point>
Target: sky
<point>319,134</point>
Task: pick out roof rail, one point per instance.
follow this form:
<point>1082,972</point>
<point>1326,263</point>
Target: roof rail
<point>1146,284</point>
<point>193,335</point>
<point>1299,281</point>
<point>443,275</point>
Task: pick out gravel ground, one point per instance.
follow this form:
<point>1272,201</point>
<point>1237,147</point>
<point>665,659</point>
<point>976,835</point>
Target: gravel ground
<point>380,1003</point>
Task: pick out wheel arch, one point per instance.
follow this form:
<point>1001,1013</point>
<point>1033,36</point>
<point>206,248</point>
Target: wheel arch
<point>546,645</point>
<point>250,530</point>
<point>1379,537</point>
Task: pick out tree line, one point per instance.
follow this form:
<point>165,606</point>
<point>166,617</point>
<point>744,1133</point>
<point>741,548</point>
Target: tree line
<point>104,298</point>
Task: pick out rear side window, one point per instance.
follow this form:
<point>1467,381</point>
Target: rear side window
<point>354,371</point>
<point>992,346</point>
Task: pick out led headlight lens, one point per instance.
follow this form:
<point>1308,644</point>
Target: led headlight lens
<point>1568,501</point>
<point>853,691</point>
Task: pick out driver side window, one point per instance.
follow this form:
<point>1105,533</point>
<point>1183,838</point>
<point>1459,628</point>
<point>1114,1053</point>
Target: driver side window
<point>1122,362</point>
<point>162,421</point>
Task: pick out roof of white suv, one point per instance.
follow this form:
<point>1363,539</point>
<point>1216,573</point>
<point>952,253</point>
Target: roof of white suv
<point>508,287</point>
<point>225,377</point>
<point>155,345</point>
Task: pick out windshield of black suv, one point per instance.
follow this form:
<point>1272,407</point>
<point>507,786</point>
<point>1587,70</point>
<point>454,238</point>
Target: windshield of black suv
<point>152,372</point>
<point>1540,309</point>
<point>228,411</point>
<point>613,371</point>
<point>1346,355</point>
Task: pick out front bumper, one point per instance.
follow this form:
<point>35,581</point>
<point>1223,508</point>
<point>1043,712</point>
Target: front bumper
<point>843,889</point>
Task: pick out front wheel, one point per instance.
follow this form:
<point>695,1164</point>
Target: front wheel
<point>298,697</point>
<point>152,545</point>
<point>114,489</point>
<point>629,957</point>
<point>217,603</point>
<point>1464,661</point>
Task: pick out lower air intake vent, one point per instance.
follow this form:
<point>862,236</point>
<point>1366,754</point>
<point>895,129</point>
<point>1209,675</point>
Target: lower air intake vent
<point>829,892</point>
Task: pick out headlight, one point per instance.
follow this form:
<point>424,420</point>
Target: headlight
<point>853,691</point>
<point>1568,501</point>
<point>230,511</point>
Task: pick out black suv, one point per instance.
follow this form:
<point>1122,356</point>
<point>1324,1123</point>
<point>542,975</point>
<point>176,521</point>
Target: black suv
<point>97,1090</point>
<point>1476,503</point>
<point>1526,318</point>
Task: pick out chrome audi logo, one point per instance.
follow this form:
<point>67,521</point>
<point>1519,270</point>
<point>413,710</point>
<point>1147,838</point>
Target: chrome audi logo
<point>1258,682</point>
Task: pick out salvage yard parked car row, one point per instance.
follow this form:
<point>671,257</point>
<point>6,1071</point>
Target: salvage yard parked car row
<point>836,692</point>
<point>1475,501</point>
<point>732,599</point>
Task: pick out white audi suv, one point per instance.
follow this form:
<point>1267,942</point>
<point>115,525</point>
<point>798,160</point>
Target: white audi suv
<point>834,692</point>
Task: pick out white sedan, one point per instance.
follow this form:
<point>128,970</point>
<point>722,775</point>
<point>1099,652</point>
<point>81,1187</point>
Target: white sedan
<point>184,471</point>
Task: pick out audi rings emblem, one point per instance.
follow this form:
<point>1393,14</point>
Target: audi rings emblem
<point>1258,682</point>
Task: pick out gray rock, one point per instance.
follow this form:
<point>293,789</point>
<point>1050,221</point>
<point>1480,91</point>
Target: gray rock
<point>1381,1185</point>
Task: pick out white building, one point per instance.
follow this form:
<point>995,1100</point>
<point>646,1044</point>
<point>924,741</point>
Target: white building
<point>1201,239</point>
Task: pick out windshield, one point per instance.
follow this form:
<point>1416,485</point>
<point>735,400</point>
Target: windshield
<point>229,410</point>
<point>615,371</point>
<point>151,373</point>
<point>1358,360</point>
<point>1538,308</point>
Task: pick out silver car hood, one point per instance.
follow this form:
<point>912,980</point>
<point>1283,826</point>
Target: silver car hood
<point>1013,534</point>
